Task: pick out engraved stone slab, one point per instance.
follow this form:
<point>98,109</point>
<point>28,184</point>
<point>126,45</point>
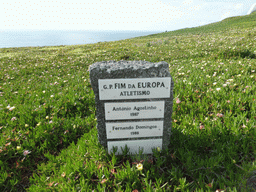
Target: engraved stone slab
<point>134,110</point>
<point>145,145</point>
<point>134,129</point>
<point>133,104</point>
<point>134,88</point>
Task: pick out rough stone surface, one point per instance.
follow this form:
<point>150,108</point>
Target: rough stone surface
<point>128,70</point>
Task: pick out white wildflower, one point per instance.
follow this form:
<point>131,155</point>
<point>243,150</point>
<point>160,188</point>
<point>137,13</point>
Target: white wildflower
<point>14,118</point>
<point>11,108</point>
<point>26,152</point>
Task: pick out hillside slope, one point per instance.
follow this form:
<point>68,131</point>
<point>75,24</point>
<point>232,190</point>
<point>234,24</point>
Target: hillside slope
<point>48,127</point>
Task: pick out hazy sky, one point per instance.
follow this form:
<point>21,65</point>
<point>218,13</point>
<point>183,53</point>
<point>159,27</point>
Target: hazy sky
<point>151,15</point>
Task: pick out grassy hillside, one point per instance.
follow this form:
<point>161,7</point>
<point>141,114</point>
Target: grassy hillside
<point>47,114</point>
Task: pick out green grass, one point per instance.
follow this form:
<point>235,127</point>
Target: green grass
<point>47,114</point>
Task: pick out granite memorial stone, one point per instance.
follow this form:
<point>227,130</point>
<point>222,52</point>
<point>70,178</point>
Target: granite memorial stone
<point>133,104</point>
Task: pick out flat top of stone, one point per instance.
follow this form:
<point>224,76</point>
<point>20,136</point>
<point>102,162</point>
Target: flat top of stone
<point>120,65</point>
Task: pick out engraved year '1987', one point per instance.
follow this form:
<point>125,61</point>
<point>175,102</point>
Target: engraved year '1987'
<point>134,114</point>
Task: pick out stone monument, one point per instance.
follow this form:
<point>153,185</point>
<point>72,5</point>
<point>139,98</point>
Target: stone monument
<point>133,104</point>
